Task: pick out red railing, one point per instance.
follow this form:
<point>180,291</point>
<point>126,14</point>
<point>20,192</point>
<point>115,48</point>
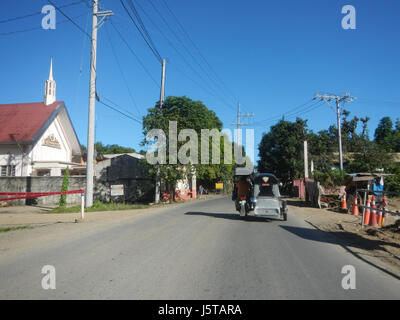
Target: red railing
<point>27,195</point>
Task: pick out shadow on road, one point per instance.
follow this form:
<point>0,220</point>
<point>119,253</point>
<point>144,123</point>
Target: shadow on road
<point>297,203</point>
<point>230,216</point>
<point>339,237</point>
<point>344,239</point>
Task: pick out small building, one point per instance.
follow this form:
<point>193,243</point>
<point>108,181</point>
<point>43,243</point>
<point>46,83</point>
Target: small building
<point>125,169</point>
<point>39,139</point>
<point>124,166</point>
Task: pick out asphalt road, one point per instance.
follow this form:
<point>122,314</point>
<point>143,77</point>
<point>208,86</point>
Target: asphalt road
<point>199,250</point>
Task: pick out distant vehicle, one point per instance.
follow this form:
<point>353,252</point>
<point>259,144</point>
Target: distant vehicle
<point>264,197</point>
<point>267,197</point>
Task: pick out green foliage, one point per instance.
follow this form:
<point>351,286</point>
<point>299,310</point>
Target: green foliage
<point>320,147</point>
<point>384,132</point>
<point>331,178</point>
<point>99,206</point>
<point>392,183</point>
<point>371,157</point>
<point>189,114</point>
<point>112,148</point>
<point>387,137</point>
<point>281,150</point>
<point>64,187</point>
<point>7,229</point>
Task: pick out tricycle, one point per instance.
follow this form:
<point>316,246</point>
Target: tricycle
<point>263,198</point>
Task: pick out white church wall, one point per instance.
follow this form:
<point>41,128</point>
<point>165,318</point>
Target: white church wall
<point>11,155</point>
<point>52,145</point>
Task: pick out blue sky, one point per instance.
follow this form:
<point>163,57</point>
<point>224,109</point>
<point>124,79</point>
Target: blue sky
<point>272,56</point>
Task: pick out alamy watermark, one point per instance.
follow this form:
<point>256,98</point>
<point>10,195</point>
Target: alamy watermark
<point>49,279</point>
<point>49,20</point>
<point>349,20</point>
<point>349,280</point>
<point>188,152</point>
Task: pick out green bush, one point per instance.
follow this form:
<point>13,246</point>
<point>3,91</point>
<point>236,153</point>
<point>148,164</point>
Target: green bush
<point>65,184</point>
<point>392,183</point>
<point>331,178</point>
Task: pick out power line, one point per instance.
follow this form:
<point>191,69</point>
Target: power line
<point>294,110</point>
<point>117,110</point>
<point>142,25</point>
<point>198,50</point>
<point>338,100</point>
<point>290,115</point>
<point>76,25</point>
<point>134,54</point>
<point>72,21</point>
<point>307,110</point>
<point>185,47</point>
<point>35,28</point>
<point>120,70</point>
<point>190,54</point>
<point>153,49</point>
<point>210,90</point>
<point>39,12</point>
<point>121,108</point>
<point>82,54</point>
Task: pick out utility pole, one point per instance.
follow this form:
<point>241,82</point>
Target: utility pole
<point>92,100</point>
<point>312,167</point>
<point>239,124</point>
<point>162,92</point>
<point>305,159</point>
<point>344,99</point>
<point>162,83</point>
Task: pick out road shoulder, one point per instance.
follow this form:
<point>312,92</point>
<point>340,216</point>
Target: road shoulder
<point>379,247</point>
<point>36,231</point>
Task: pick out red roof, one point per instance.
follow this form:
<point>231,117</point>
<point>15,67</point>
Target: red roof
<point>20,122</point>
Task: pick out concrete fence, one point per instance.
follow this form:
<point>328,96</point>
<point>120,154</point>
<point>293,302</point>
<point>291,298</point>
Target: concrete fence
<point>136,190</point>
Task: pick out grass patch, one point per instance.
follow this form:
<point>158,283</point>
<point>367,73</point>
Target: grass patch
<point>7,229</point>
<point>99,206</point>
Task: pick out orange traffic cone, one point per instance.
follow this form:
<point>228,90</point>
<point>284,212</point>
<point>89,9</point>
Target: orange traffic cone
<point>384,204</point>
<point>355,207</point>
<point>373,222</point>
<point>379,218</point>
<point>367,213</point>
<point>344,203</point>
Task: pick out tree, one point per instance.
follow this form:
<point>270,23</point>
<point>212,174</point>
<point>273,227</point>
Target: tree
<point>281,150</point>
<point>372,157</point>
<point>188,114</point>
<point>349,134</point>
<point>384,134</point>
<point>112,148</point>
<point>320,148</point>
<point>396,137</point>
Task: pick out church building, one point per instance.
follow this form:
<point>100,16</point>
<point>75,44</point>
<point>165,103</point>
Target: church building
<point>38,138</point>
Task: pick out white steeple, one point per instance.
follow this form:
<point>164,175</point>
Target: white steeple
<point>50,87</point>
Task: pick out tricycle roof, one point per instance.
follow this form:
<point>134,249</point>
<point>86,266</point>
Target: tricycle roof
<point>243,172</point>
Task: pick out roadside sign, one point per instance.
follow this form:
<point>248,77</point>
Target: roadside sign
<point>117,190</point>
<point>219,185</point>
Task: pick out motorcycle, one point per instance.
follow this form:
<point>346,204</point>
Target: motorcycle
<point>244,204</point>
